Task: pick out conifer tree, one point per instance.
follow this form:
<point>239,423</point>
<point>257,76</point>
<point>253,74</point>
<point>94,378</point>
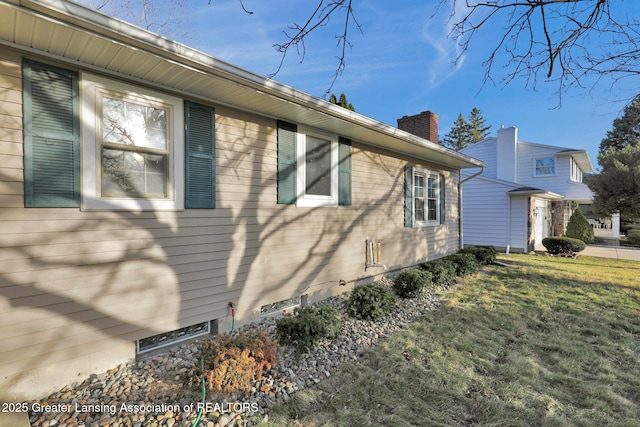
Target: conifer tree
<point>616,187</point>
<point>459,135</point>
<point>342,101</point>
<point>626,129</point>
<point>579,228</point>
<point>465,132</point>
<point>478,131</point>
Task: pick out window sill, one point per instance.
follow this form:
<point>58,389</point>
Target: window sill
<point>135,205</point>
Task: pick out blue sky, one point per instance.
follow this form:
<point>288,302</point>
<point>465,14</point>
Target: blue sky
<point>401,64</point>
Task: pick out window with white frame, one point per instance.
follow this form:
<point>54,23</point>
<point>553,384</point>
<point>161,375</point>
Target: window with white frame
<point>317,173</point>
<point>131,136</point>
<point>426,198</point>
<point>135,146</point>
<point>545,166</point>
<point>576,172</point>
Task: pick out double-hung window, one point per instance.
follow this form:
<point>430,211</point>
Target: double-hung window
<point>133,147</point>
<point>314,168</point>
<point>424,197</point>
<point>545,166</point>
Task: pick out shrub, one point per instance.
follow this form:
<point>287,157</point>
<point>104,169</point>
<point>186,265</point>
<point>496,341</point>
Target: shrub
<point>443,271</point>
<point>308,326</point>
<point>465,263</point>
<point>633,237</point>
<point>371,302</point>
<point>579,228</point>
<point>484,255</point>
<point>630,228</point>
<point>563,245</point>
<point>410,283</point>
<point>230,363</point>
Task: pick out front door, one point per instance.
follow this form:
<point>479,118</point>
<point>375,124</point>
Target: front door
<point>542,220</point>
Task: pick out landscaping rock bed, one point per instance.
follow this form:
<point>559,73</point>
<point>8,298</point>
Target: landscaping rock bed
<point>150,393</point>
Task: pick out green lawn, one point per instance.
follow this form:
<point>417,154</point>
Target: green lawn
<point>543,341</point>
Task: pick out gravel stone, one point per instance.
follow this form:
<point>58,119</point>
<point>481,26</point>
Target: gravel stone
<point>158,380</point>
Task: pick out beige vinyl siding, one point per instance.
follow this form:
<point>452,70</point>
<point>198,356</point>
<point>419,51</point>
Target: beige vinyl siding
<point>11,188</point>
<point>79,287</point>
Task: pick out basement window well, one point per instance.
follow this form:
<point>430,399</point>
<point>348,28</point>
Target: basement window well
<point>279,306</point>
<point>168,338</point>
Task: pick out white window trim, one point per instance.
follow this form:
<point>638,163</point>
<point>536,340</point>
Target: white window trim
<point>555,166</point>
<point>90,86</point>
<point>303,199</point>
<point>427,173</point>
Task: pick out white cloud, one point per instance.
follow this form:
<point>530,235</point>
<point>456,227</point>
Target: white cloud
<point>448,57</point>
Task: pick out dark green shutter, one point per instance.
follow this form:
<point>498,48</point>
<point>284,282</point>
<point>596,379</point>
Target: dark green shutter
<point>344,171</point>
<point>408,196</point>
<point>51,136</point>
<point>442,198</point>
<point>200,156</point>
<point>287,162</point>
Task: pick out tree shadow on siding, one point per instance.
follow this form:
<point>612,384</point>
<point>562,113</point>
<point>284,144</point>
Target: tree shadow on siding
<point>181,268</point>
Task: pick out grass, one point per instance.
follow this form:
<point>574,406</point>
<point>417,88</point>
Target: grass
<point>542,342</point>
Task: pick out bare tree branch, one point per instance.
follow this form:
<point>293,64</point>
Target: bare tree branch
<point>566,41</point>
<point>297,34</point>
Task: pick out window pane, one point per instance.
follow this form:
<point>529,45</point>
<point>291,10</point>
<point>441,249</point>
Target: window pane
<point>419,209</point>
<point>418,195</point>
<point>128,123</point>
<point>433,186</point>
<point>318,166</point>
<point>432,214</point>
<point>129,173</point>
<point>545,166</point>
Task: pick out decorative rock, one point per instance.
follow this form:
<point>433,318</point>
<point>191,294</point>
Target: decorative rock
<point>143,383</point>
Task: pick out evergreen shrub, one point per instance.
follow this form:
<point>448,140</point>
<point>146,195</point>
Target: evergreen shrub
<point>371,302</point>
<point>465,263</point>
<point>633,237</point>
<point>579,228</point>
<point>411,283</point>
<point>308,326</point>
<point>443,271</point>
<point>563,245</point>
<point>485,255</point>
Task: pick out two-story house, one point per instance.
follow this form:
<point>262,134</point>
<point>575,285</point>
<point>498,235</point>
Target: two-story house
<point>527,192</point>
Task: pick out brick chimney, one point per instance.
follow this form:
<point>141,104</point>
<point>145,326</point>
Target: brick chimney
<point>424,125</point>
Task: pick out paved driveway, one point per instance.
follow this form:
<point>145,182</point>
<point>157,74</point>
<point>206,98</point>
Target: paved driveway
<point>612,252</point>
<point>615,252</point>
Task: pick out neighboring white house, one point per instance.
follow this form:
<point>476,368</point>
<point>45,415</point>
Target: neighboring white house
<point>527,192</point>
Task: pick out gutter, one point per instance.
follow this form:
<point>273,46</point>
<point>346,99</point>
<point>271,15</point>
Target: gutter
<point>462,181</point>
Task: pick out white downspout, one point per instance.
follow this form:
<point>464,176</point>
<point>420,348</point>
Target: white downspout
<point>461,181</point>
<point>508,227</point>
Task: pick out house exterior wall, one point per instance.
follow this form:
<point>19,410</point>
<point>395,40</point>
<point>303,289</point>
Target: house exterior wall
<point>560,182</point>
<point>491,217</point>
<point>79,287</point>
<point>485,150</point>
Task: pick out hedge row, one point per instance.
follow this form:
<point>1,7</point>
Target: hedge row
<point>308,326</point>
